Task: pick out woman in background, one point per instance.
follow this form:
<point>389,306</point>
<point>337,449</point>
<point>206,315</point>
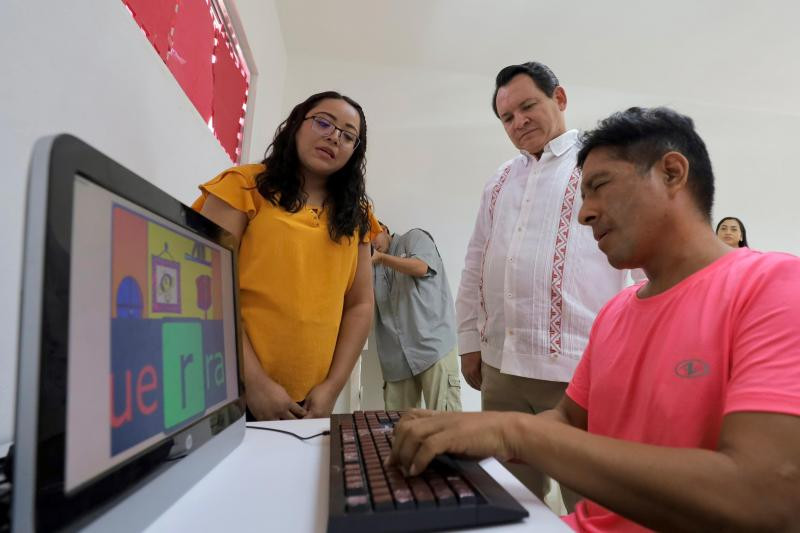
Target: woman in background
<point>730,230</point>
<point>303,223</point>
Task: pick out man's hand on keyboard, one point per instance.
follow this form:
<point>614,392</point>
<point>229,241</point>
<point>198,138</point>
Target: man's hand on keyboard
<point>422,435</point>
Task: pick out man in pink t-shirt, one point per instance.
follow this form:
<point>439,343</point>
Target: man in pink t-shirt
<point>684,413</point>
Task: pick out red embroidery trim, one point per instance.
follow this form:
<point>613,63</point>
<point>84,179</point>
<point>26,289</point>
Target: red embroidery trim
<point>559,259</point>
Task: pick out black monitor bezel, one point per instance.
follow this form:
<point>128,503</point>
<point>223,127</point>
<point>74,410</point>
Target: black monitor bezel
<point>53,507</point>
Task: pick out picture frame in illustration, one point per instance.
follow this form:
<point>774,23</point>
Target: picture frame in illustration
<point>166,277</point>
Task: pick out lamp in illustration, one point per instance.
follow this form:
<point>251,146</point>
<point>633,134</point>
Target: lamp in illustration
<point>203,293</point>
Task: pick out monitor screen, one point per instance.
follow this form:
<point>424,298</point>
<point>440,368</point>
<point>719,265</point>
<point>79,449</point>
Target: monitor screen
<point>152,333</point>
<point>130,384</point>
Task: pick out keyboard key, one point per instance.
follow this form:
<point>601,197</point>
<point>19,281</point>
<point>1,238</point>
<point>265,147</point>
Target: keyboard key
<point>422,493</point>
<point>358,503</point>
<point>382,500</point>
<point>355,486</point>
<point>403,498</point>
<point>463,492</point>
<point>350,457</point>
<point>444,495</point>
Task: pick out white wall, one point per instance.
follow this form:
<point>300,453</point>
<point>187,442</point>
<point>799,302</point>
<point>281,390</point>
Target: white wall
<point>433,142</point>
<point>87,69</point>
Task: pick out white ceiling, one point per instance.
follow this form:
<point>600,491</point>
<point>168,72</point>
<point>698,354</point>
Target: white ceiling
<point>736,53</point>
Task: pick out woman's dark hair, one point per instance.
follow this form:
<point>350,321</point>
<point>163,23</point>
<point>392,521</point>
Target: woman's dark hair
<point>542,76</point>
<point>643,135</point>
<point>743,240</point>
<point>282,181</point>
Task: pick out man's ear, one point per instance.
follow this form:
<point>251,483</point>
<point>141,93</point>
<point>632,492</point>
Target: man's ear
<point>560,96</point>
<point>675,171</point>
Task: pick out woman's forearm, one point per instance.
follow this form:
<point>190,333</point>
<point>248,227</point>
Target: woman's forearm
<point>353,333</point>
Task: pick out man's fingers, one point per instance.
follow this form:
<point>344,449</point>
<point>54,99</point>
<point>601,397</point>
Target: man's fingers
<point>402,434</point>
<point>419,413</point>
<point>468,379</point>
<point>426,452</point>
<point>409,433</point>
<point>474,379</point>
<point>418,441</point>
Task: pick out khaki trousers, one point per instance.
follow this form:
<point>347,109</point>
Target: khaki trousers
<point>440,385</point>
<point>504,392</point>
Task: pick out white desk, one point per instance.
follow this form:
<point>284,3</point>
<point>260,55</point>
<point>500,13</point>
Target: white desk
<point>274,482</point>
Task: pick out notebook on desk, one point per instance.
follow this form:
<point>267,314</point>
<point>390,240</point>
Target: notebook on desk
<point>365,496</point>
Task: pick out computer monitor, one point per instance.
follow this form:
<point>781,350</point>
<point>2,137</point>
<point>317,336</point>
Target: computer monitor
<point>130,377</point>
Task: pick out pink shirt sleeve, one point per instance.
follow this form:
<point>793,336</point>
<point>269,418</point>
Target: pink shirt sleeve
<point>765,358</point>
<point>578,388</point>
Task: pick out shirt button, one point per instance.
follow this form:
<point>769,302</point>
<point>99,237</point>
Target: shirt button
<point>510,295</point>
<point>510,332</point>
<point>510,259</point>
<point>519,229</point>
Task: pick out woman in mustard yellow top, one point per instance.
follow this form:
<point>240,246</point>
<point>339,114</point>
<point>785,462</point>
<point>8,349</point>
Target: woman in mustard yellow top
<point>303,221</point>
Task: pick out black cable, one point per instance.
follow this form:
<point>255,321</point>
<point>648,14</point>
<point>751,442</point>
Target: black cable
<point>295,435</point>
<point>5,507</point>
<point>5,512</point>
<point>5,490</point>
<point>7,464</point>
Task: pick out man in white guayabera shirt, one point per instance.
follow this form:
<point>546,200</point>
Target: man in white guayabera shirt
<point>533,278</point>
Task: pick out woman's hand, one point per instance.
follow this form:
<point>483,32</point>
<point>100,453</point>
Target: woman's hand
<point>269,401</point>
<point>320,400</point>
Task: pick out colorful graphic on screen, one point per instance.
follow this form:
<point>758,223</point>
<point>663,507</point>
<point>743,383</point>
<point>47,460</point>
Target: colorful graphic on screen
<point>167,337</point>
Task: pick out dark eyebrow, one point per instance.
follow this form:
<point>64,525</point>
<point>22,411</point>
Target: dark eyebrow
<point>333,117</point>
<point>523,103</point>
<point>597,175</point>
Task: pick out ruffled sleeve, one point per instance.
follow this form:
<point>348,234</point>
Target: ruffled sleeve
<point>235,187</point>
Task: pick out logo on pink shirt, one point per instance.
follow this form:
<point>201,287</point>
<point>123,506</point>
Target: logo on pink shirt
<point>692,368</point>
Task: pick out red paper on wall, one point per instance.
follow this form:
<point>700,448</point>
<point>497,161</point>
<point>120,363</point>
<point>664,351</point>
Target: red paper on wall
<point>189,59</point>
<point>230,95</point>
<point>155,18</point>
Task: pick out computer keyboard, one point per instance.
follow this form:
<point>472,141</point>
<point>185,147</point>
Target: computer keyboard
<point>366,496</point>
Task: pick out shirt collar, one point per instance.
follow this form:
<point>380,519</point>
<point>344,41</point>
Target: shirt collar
<point>393,245</point>
<point>557,146</point>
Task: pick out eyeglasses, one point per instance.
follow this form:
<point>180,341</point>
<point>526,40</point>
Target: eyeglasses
<point>325,127</point>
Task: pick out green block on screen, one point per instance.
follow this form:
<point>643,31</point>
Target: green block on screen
<point>184,383</point>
